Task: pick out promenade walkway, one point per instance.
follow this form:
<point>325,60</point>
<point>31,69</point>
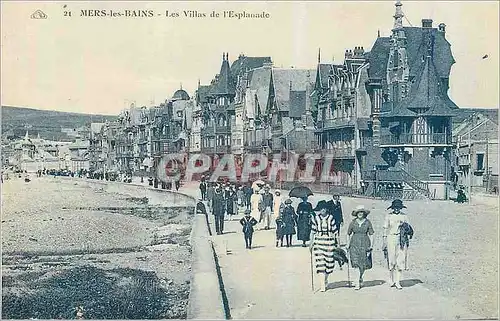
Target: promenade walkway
<point>270,282</point>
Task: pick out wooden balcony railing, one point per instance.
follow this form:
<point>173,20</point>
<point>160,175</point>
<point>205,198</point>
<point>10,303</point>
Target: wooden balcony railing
<point>416,139</point>
<point>339,152</point>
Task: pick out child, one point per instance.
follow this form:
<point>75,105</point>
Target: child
<point>280,226</point>
<point>248,222</point>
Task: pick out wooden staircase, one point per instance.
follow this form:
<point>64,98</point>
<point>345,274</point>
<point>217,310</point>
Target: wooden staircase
<point>416,184</point>
<point>417,189</point>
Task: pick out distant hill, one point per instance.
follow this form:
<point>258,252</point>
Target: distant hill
<point>47,123</point>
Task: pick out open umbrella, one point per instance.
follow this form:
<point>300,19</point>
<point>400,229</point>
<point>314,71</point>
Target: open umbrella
<point>300,192</point>
<point>258,184</point>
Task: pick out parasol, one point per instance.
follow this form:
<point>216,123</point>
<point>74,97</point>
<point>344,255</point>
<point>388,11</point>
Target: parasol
<point>300,192</point>
<point>258,184</point>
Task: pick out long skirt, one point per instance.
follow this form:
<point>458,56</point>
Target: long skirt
<point>304,227</point>
<point>358,250</point>
<point>395,253</point>
<point>323,253</point>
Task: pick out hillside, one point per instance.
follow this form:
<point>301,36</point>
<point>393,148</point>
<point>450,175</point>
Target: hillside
<point>47,123</point>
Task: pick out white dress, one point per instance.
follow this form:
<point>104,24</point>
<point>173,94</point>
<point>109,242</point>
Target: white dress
<point>395,254</point>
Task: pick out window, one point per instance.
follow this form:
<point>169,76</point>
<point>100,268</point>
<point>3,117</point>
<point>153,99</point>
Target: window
<point>480,162</point>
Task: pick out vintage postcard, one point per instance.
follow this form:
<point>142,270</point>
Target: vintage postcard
<point>249,160</point>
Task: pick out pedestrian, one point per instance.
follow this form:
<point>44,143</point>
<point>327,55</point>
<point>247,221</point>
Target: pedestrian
<point>210,194</point>
<point>396,254</point>
<point>280,230</point>
<point>304,213</point>
<point>177,184</point>
<point>248,196</point>
<point>324,242</point>
<point>248,222</point>
<point>360,232</point>
<point>230,195</point>
<point>203,189</point>
<point>277,204</point>
<point>289,220</point>
<point>256,204</point>
<point>218,210</point>
<point>335,208</point>
<point>461,198</point>
<point>267,207</point>
<point>241,197</point>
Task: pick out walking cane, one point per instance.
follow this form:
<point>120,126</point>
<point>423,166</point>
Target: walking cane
<point>312,272</point>
<point>348,263</point>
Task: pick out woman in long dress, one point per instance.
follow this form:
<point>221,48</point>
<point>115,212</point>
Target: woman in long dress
<point>289,219</point>
<point>360,234</point>
<point>304,212</point>
<point>324,239</point>
<point>395,252</point>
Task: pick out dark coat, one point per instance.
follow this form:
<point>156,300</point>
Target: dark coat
<point>230,196</point>
<point>335,208</point>
<point>289,218</point>
<point>405,235</point>
<point>267,200</point>
<point>219,206</point>
<point>248,223</point>
<point>203,186</point>
<point>304,212</point>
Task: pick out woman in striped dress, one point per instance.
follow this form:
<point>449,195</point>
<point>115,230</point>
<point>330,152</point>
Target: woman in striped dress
<point>324,239</point>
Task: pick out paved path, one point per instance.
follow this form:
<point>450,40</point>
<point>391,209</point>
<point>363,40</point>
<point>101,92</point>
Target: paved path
<point>270,282</point>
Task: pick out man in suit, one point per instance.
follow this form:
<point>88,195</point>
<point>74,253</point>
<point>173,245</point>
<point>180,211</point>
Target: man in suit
<point>218,210</point>
<point>335,208</point>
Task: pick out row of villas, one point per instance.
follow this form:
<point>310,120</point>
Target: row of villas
<point>382,116</point>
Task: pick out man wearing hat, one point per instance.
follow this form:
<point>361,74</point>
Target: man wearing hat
<point>335,209</point>
<point>395,253</point>
<point>267,207</point>
<point>219,208</point>
<point>248,222</point>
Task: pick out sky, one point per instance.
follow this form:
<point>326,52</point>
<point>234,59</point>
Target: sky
<point>101,65</point>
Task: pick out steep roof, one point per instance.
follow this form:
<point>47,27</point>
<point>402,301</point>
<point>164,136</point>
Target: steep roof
<point>202,93</point>
<point>417,40</point>
<point>243,63</point>
<point>426,93</point>
<point>224,84</point>
<point>297,104</point>
<point>322,73</point>
<point>283,78</point>
<point>260,84</point>
<point>378,58</point>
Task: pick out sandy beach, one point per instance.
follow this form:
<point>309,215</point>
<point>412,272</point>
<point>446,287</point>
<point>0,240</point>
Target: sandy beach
<point>106,247</point>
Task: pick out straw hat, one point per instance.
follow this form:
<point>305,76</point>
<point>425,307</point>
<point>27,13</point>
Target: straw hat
<point>360,208</point>
<point>288,201</point>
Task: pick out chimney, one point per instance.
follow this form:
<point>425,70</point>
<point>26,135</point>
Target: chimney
<point>359,52</point>
<point>442,27</point>
<point>426,23</point>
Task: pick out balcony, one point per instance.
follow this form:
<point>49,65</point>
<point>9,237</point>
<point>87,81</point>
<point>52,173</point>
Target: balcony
<point>439,139</point>
<point>216,149</point>
<point>339,152</point>
<point>382,176</point>
<point>337,123</point>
